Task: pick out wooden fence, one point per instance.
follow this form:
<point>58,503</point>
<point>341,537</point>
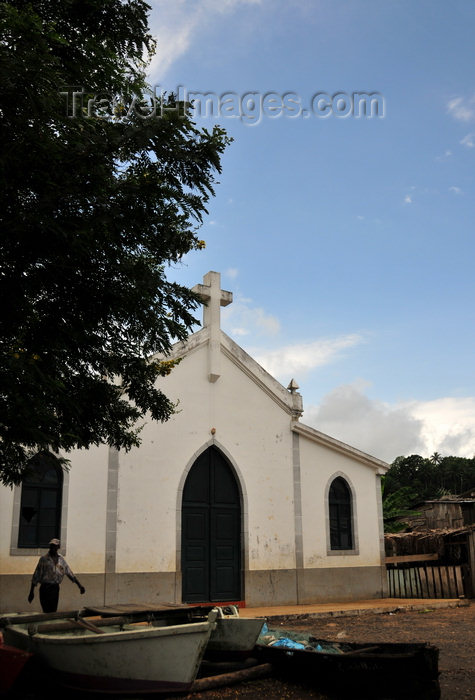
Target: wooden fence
<point>418,576</point>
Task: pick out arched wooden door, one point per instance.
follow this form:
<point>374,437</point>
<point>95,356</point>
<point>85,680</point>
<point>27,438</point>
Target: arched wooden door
<point>211,531</point>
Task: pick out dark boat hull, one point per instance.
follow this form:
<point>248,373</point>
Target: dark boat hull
<point>12,663</point>
<point>388,671</point>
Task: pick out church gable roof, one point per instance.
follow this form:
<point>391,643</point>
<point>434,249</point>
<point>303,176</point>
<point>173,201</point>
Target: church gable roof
<point>289,402</point>
<point>217,344</point>
<point>338,446</point>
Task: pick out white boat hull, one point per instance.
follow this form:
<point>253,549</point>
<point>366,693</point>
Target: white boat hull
<point>233,636</point>
<point>140,658</point>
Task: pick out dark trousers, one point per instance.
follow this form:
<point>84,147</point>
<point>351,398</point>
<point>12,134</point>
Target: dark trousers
<point>49,596</point>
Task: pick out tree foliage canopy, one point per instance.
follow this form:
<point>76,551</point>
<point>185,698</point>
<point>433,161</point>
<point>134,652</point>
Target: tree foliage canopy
<point>396,506</point>
<point>430,478</point>
<point>99,195</point>
<point>414,479</point>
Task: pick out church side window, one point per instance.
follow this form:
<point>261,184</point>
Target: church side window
<point>40,508</point>
<point>340,508</point>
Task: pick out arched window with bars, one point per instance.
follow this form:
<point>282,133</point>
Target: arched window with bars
<point>41,499</point>
<point>341,515</point>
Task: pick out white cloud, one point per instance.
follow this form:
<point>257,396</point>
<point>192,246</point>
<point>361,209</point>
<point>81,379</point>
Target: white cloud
<point>408,199</point>
<point>240,331</point>
<point>173,28</point>
<point>372,426</point>
<point>232,272</point>
<point>445,425</point>
<point>455,190</point>
<point>447,154</point>
<point>468,141</point>
<point>241,318</point>
<point>297,360</point>
<point>176,25</point>
<point>462,109</point>
<point>448,425</point>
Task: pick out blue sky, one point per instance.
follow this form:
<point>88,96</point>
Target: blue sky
<point>347,241</point>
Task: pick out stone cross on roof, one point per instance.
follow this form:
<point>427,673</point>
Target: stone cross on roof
<point>213,297</point>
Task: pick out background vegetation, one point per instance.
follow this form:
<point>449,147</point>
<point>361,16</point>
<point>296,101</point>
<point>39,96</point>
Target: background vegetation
<point>414,479</point>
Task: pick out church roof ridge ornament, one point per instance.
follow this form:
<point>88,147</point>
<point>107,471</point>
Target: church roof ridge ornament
<point>293,386</point>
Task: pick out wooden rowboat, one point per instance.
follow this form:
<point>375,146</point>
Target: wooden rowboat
<point>378,670</point>
<point>233,637</point>
<point>114,655</point>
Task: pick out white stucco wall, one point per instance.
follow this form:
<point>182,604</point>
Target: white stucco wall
<point>7,565</point>
<point>86,518</point>
<point>253,432</point>
<point>319,465</point>
<point>253,429</point>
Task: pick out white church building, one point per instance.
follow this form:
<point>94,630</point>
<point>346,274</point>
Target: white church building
<point>233,499</point>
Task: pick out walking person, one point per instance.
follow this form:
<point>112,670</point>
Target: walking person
<point>49,573</point>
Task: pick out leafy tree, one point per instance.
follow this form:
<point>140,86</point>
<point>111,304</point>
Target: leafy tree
<point>101,190</point>
<point>413,471</point>
<point>398,505</point>
<point>430,478</point>
<point>456,474</point>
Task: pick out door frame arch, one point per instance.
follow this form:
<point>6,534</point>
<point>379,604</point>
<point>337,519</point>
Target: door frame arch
<point>244,534</point>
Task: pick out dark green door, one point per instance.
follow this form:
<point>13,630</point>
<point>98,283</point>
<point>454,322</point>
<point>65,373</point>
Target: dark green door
<point>211,531</point>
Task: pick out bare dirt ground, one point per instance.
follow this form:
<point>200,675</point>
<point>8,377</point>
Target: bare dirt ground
<point>452,630</point>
